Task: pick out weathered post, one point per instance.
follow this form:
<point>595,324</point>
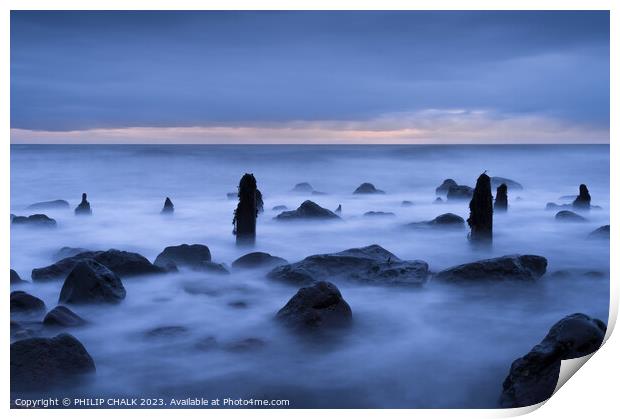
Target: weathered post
<point>84,207</point>
<point>481,211</point>
<point>250,204</point>
<point>501,198</point>
<point>582,202</point>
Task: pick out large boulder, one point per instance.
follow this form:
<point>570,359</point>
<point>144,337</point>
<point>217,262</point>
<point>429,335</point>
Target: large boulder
<point>510,267</point>
<point>370,264</point>
<point>317,307</point>
<point>24,303</point>
<point>42,363</point>
<point>533,378</point>
<point>91,282</point>
<point>187,255</point>
<point>56,204</point>
<point>35,220</point>
<point>258,260</point>
<point>460,193</point>
<point>445,186</point>
<point>569,217</point>
<point>61,316</point>
<point>512,185</point>
<point>308,210</point>
<point>123,264</point>
<point>447,220</point>
<point>367,188</point>
<point>599,233</point>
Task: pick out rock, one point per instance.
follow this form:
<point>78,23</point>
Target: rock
<point>496,181</point>
<point>510,267</point>
<point>67,252</point>
<point>84,207</point>
<point>303,187</point>
<point>61,316</point>
<point>212,267</point>
<point>43,363</point>
<point>460,192</point>
<point>367,188</point>
<point>480,219</point>
<point>551,206</point>
<point>185,255</point>
<point>123,264</point>
<point>317,307</point>
<point>569,216</point>
<point>339,209</point>
<point>24,303</point>
<point>258,260</point>
<point>444,220</point>
<point>438,200</point>
<point>280,208</point>
<point>16,279</point>
<point>318,193</point>
<point>371,264</point>
<point>501,198</point>
<point>56,204</point>
<point>308,210</point>
<point>248,344</point>
<point>445,187</point>
<point>166,332</point>
<point>379,214</point>
<point>168,207</point>
<point>533,378</point>
<point>407,203</point>
<point>572,273</point>
<point>91,282</point>
<point>250,204</point>
<point>232,195</point>
<point>238,304</point>
<point>18,331</point>
<point>599,233</point>
<point>582,202</point>
<point>35,220</point>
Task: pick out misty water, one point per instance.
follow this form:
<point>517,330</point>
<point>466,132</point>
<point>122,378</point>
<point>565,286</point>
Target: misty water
<point>440,345</point>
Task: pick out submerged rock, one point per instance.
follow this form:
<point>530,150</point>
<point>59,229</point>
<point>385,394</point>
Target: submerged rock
<point>16,279</point>
<point>258,260</point>
<point>552,206</point>
<point>35,220</point>
<point>496,181</point>
<point>56,204</point>
<point>448,220</point>
<point>244,345</point>
<point>379,214</point>
<point>501,198</point>
<point>212,267</point>
<point>186,255</point>
<point>316,307</point>
<point>367,188</point>
<point>43,363</point>
<point>445,187</point>
<point>533,378</point>
<point>91,282</point>
<point>168,207</point>
<point>438,200</point>
<point>280,208</point>
<point>24,303</point>
<point>166,332</point>
<point>303,187</point>
<point>459,192</point>
<point>407,203</point>
<point>577,273</point>
<point>308,210</point>
<point>372,264</point>
<point>122,263</point>
<point>510,267</point>
<point>84,207</point>
<point>480,219</point>
<point>61,316</point>
<point>569,216</point>
<point>599,233</point>
<point>339,209</point>
<point>582,202</point>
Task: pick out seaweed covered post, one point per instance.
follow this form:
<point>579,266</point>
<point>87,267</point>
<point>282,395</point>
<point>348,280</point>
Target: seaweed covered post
<point>168,207</point>
<point>481,211</point>
<point>250,204</point>
<point>501,198</point>
<point>582,202</point>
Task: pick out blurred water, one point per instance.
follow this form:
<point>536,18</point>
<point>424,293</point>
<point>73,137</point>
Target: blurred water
<point>439,346</point>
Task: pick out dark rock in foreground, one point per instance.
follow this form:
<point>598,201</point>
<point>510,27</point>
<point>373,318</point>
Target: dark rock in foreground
<point>35,220</point>
<point>187,255</point>
<point>16,279</point>
<point>24,303</point>
<point>56,204</point>
<point>317,307</point>
<point>569,216</point>
<point>447,220</point>
<point>533,378</point>
<point>84,207</point>
<point>512,185</point>
<point>61,316</point>
<point>122,263</point>
<point>371,264</point>
<point>303,187</point>
<point>510,267</point>
<point>168,207</point>
<point>445,187</point>
<point>599,233</point>
<point>367,188</point>
<point>459,192</point>
<point>258,260</point>
<point>91,282</point>
<point>308,210</point>
<point>379,214</point>
<point>42,363</point>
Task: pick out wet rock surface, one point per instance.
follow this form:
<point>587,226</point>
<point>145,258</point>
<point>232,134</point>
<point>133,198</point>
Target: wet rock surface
<point>91,282</point>
<point>510,267</point>
<point>257,260</point>
<point>27,304</point>
<point>61,316</point>
<point>184,255</point>
<point>308,210</point>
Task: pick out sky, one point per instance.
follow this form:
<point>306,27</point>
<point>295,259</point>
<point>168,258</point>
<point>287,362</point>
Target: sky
<point>310,77</point>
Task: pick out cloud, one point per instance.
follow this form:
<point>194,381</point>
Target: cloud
<point>429,126</point>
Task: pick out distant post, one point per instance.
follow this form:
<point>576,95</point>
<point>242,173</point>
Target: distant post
<point>481,211</point>
<point>582,201</point>
<point>501,198</point>
<point>250,204</point>
<point>84,207</point>
<point>168,207</point>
